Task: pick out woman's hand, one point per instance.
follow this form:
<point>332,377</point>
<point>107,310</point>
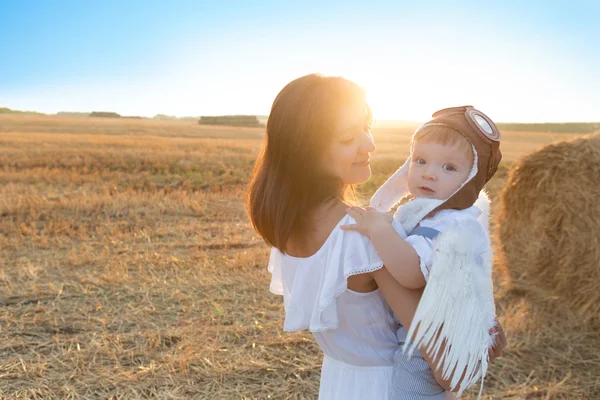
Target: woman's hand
<point>367,220</point>
<point>495,350</point>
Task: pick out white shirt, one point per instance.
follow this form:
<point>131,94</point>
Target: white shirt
<point>442,221</point>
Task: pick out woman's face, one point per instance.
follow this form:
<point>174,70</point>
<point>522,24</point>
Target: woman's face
<point>352,144</point>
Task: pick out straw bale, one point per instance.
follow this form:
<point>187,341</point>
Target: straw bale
<point>549,226</point>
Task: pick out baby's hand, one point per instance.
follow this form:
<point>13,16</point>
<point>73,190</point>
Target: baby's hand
<point>367,220</point>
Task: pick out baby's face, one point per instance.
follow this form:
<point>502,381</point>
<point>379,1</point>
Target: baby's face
<point>436,171</point>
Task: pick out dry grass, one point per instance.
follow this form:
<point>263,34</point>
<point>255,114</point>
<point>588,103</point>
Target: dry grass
<point>128,270</point>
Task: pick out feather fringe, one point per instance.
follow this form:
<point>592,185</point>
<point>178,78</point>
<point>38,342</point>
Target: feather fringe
<point>456,309</point>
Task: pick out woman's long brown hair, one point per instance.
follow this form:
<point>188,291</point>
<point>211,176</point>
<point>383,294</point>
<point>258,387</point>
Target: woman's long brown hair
<point>288,181</point>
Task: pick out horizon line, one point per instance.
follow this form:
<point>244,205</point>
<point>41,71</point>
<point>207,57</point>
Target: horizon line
<point>179,117</point>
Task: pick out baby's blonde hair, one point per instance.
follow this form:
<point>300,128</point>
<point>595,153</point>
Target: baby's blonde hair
<point>445,136</point>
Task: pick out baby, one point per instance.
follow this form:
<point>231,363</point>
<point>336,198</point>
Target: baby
<point>439,240</point>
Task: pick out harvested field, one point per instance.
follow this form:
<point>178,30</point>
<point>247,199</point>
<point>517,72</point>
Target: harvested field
<point>129,270</point>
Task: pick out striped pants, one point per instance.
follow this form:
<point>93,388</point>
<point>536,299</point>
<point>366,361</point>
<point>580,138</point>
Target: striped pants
<point>413,379</point>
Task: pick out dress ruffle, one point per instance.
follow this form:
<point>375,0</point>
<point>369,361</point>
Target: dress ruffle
<point>311,285</point>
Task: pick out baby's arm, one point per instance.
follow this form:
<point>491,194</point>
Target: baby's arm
<point>399,257</point>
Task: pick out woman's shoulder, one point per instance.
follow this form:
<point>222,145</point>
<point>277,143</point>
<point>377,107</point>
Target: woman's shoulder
<point>336,240</point>
<point>318,228</point>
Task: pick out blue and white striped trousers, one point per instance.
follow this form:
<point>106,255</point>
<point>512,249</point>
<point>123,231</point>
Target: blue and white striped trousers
<point>413,379</point>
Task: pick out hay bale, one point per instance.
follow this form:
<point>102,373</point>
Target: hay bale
<point>549,226</point>
<point>104,114</point>
<point>230,120</point>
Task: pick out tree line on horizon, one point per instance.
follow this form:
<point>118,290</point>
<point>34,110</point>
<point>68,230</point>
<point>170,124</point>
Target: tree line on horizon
<point>259,120</point>
<point>552,127</point>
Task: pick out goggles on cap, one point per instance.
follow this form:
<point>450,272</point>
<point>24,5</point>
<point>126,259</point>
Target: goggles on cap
<point>478,121</point>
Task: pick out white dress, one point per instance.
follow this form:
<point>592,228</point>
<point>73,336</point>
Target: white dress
<point>356,331</point>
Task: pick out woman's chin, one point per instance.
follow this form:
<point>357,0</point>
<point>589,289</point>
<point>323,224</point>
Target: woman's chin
<point>357,179</point>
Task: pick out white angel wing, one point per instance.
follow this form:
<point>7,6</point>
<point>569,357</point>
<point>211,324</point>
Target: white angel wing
<point>457,307</point>
<point>483,203</point>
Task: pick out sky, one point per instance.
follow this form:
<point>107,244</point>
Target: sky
<point>518,61</point>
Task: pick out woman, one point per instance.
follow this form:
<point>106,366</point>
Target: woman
<point>317,146</point>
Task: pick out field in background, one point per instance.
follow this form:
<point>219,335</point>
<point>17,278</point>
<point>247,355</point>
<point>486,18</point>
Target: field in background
<point>128,269</point>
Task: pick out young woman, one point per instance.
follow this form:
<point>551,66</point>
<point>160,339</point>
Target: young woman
<point>317,146</point>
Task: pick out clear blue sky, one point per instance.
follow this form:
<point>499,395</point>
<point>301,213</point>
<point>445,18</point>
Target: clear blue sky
<point>515,60</point>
